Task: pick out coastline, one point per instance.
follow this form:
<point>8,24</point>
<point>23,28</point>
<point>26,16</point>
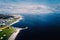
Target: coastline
<point>16,21</point>
<point>13,35</point>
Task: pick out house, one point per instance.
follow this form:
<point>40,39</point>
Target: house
<point>1,24</point>
<point>5,19</point>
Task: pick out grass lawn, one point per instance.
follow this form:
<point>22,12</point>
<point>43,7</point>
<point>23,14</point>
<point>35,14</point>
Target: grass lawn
<point>6,33</point>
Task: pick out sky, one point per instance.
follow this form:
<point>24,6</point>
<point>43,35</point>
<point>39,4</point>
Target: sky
<point>29,6</point>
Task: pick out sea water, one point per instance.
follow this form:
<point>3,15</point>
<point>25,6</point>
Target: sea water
<point>40,26</point>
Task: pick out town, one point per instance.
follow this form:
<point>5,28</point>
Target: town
<point>6,20</point>
<point>5,25</point>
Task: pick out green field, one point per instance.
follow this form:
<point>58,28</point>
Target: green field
<point>6,33</point>
<point>7,30</point>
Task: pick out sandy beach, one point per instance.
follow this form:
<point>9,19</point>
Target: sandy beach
<point>16,21</point>
<point>13,36</point>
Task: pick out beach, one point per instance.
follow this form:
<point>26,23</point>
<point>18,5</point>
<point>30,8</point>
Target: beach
<point>13,36</point>
<point>16,21</point>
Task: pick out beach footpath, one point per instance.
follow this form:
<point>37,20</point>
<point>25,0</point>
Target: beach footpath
<point>14,35</point>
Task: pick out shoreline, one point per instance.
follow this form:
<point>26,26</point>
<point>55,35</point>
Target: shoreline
<point>13,35</point>
<point>17,20</point>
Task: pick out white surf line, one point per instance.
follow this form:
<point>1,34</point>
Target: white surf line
<point>16,21</point>
<point>13,36</point>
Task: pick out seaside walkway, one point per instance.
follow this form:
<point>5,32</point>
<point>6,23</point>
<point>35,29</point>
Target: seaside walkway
<point>13,36</point>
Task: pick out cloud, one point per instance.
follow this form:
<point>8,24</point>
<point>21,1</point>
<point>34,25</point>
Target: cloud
<point>18,8</point>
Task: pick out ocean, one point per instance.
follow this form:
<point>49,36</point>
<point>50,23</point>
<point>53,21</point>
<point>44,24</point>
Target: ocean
<point>40,26</point>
